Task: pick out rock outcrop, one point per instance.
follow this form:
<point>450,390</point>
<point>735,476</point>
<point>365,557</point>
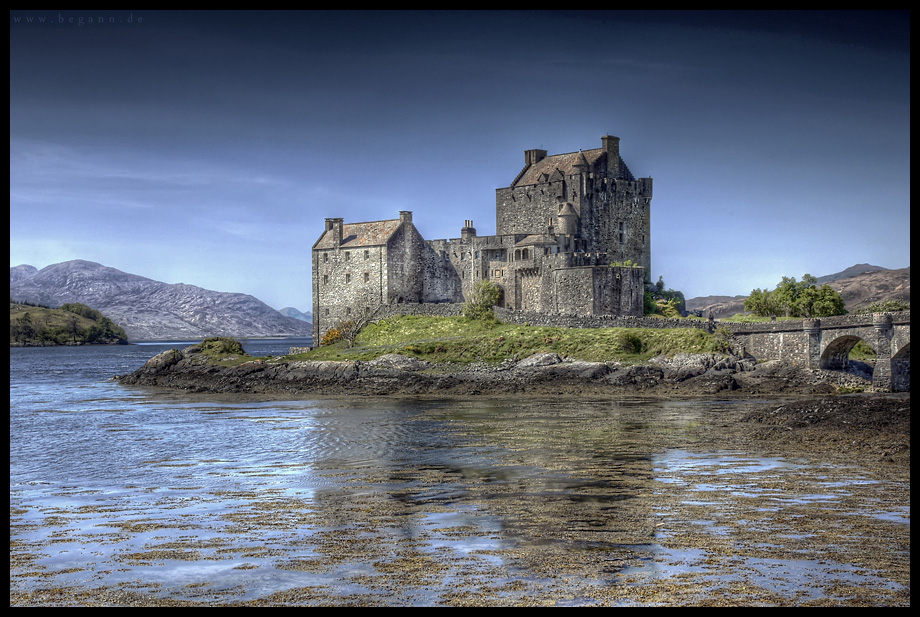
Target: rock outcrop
<point>541,374</point>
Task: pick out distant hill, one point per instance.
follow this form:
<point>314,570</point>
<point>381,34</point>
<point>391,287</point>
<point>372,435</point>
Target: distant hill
<point>873,286</point>
<point>850,273</point>
<point>290,311</point>
<point>858,285</point>
<point>149,309</point>
<point>22,272</point>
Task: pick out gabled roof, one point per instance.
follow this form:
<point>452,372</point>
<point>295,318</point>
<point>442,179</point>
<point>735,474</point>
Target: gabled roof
<point>538,240</point>
<point>566,163</point>
<point>354,235</point>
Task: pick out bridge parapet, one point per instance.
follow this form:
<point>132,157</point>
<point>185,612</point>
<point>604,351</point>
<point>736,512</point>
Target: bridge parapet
<point>826,323</point>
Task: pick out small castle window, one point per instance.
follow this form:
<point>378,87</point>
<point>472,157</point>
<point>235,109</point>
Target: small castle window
<point>326,312</point>
<point>325,258</point>
<point>348,311</point>
<point>347,278</point>
<point>347,255</point>
<point>325,279</point>
<point>367,254</point>
<point>367,277</point>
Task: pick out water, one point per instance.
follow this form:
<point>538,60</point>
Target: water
<point>122,495</point>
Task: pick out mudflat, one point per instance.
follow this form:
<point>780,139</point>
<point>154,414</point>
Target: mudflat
<point>799,501</point>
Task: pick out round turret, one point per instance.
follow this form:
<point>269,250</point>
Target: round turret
<point>567,220</point>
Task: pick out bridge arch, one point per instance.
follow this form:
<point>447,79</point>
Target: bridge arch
<point>836,353</point>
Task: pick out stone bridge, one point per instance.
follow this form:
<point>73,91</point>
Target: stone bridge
<point>826,343</point>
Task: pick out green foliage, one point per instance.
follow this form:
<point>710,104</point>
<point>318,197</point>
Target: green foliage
<point>629,263</point>
<point>484,296</point>
<point>626,342</point>
<point>885,306</point>
<point>668,308</point>
<point>743,318</point>
<point>862,351</point>
<point>82,310</point>
<point>221,346</point>
<point>657,300</point>
<point>796,299</point>
<point>649,304</point>
<point>69,325</point>
<point>723,339</point>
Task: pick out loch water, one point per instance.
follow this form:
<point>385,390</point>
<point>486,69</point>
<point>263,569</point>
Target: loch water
<point>122,495</point>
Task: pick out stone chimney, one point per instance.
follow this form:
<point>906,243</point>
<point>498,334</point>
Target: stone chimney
<point>532,157</point>
<point>335,226</point>
<point>468,230</point>
<point>405,216</point>
<point>612,149</point>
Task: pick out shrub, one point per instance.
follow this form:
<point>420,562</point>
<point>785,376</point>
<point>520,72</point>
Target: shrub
<point>484,296</point>
<point>222,345</point>
<point>332,335</point>
<point>885,306</point>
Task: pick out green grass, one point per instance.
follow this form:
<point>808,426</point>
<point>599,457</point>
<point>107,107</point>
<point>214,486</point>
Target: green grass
<point>863,352</point>
<point>462,340</point>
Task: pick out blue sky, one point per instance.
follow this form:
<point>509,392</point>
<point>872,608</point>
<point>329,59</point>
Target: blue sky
<point>208,147</point>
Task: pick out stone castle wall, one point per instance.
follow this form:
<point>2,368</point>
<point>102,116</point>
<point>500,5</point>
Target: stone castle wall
<point>347,283</point>
<point>559,226</point>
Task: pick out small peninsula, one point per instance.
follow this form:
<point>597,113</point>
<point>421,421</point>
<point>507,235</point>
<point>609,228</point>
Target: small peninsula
<point>72,323</point>
<point>404,356</point>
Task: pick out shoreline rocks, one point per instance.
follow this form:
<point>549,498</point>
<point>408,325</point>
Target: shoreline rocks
<point>684,375</point>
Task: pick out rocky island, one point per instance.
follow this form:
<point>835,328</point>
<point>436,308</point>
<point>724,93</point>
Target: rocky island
<point>219,366</point>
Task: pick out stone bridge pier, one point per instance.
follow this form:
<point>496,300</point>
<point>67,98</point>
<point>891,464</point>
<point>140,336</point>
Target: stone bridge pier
<point>827,343</point>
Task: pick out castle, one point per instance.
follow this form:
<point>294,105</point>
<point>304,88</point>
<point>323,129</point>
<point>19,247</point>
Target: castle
<point>572,237</point>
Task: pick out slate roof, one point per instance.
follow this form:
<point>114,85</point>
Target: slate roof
<point>354,235</point>
<point>538,240</point>
<point>565,163</point>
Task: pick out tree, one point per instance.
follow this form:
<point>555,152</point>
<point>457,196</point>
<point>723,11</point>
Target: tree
<point>761,302</point>
<point>796,299</point>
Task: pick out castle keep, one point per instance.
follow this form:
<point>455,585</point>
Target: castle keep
<point>565,227</point>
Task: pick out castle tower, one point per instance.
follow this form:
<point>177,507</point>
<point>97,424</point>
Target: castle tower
<point>567,220</point>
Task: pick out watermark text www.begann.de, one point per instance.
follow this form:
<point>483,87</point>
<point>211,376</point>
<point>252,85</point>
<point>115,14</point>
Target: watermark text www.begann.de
<point>49,18</point>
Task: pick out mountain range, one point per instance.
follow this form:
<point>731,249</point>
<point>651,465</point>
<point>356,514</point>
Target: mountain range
<point>149,309</point>
<point>858,285</point>
<point>290,311</point>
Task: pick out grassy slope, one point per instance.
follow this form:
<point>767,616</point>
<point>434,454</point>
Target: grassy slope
<point>462,340</point>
